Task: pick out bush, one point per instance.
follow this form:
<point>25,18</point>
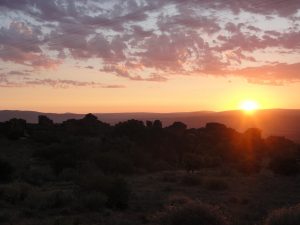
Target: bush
<point>193,214</point>
<point>118,194</point>
<point>284,216</point>
<point>38,175</point>
<point>93,201</point>
<point>41,200</point>
<point>169,177</point>
<point>5,217</point>
<point>192,162</point>
<point>62,156</point>
<point>284,166</point>
<point>114,163</point>
<point>191,180</point>
<point>116,189</point>
<point>178,199</point>
<point>6,171</point>
<point>249,167</point>
<point>215,184</point>
<point>15,192</point>
<point>94,181</point>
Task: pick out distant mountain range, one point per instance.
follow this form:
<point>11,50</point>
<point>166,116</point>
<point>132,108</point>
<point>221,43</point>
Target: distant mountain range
<point>280,122</point>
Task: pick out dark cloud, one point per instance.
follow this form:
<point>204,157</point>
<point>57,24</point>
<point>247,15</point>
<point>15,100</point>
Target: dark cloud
<point>18,73</point>
<point>266,7</point>
<point>251,42</point>
<point>192,21</point>
<point>20,43</point>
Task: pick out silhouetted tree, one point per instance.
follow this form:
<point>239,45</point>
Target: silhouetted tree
<point>15,128</point>
<point>6,171</point>
<point>44,121</point>
<point>157,124</point>
<point>177,128</point>
<point>284,156</point>
<point>87,126</point>
<point>134,129</point>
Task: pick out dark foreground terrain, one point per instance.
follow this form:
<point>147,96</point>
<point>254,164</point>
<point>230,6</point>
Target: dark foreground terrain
<point>85,171</point>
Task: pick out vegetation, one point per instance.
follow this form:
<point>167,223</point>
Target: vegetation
<point>138,173</point>
<point>6,171</point>
<point>194,213</point>
<point>284,216</point>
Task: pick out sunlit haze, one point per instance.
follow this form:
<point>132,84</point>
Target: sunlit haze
<point>249,105</point>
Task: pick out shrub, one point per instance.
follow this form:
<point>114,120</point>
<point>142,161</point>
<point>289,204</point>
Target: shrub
<point>178,199</point>
<point>68,174</point>
<point>192,162</point>
<point>46,136</point>
<point>93,201</point>
<point>5,217</point>
<point>61,156</point>
<point>118,194</point>
<point>116,189</point>
<point>38,175</point>
<point>6,171</point>
<point>169,177</point>
<point>191,180</point>
<point>284,216</point>
<point>249,167</point>
<point>15,128</point>
<point>41,200</point>
<point>94,181</point>
<point>193,214</point>
<point>114,163</point>
<point>284,166</point>
<point>214,184</point>
<point>159,165</point>
<point>15,192</point>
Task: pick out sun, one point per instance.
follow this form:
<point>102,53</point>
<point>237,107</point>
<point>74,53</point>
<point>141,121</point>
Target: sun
<point>249,106</point>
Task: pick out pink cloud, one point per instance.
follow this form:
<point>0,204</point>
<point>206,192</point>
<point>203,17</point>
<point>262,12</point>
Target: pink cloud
<point>270,74</point>
<point>165,37</point>
<point>5,81</point>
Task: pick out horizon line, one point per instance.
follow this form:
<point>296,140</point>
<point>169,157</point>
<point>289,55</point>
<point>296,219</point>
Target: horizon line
<point>145,112</point>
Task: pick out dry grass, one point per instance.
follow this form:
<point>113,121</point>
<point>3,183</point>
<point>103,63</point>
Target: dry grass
<point>284,216</point>
<point>193,213</point>
<point>216,184</point>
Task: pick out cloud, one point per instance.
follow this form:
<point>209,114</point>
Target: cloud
<point>68,83</point>
<point>276,74</point>
<point>265,82</point>
<point>18,73</point>
<point>192,21</point>
<point>153,40</point>
<point>121,71</point>
<point>5,82</point>
<point>20,43</point>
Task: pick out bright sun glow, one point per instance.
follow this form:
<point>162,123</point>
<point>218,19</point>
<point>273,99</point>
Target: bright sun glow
<point>249,105</point>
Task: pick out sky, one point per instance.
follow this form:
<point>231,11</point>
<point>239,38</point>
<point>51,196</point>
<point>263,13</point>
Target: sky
<point>148,55</point>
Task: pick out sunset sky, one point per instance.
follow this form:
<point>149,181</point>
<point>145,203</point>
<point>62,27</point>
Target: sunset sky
<point>148,55</point>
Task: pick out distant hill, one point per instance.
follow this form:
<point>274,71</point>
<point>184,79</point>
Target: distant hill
<point>280,122</point>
